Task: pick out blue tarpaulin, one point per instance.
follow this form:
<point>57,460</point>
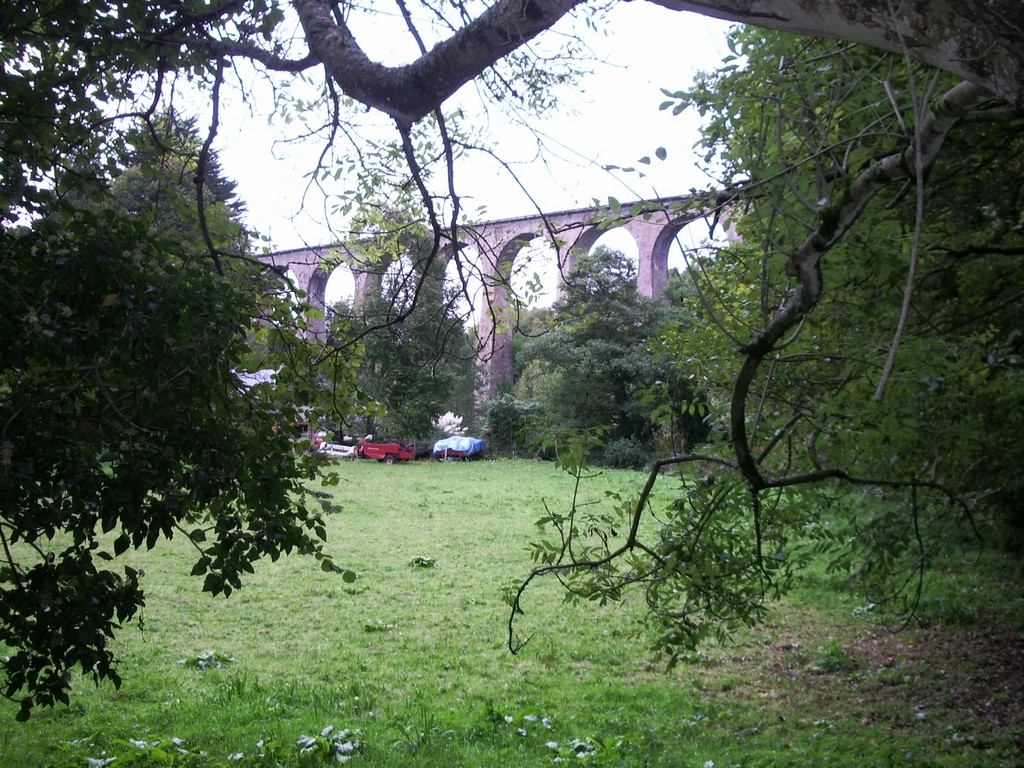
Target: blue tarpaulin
<point>459,446</point>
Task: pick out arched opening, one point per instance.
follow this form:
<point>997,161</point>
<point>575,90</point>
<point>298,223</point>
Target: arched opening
<point>341,286</point>
<point>534,275</point>
<point>694,238</point>
<point>621,240</point>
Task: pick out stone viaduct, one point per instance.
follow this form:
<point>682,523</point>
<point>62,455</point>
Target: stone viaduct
<point>653,225</point>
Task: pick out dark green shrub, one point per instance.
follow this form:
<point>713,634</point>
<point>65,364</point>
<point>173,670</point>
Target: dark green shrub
<point>624,453</point>
<point>507,420</point>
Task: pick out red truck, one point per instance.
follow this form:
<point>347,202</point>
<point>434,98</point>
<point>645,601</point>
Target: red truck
<point>389,453</point>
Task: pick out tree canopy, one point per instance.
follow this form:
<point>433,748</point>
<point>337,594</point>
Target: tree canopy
<point>125,415</point>
<point>599,365</point>
<point>70,65</point>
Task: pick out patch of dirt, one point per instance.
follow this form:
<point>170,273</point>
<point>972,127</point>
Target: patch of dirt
<point>972,677</point>
<point>966,682</point>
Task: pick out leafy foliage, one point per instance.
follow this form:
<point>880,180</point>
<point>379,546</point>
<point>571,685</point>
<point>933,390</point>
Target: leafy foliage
<point>124,424</point>
<point>940,255</point>
<point>599,363</point>
<point>508,420</point>
<point>126,321</point>
<point>868,414</point>
<point>165,166</point>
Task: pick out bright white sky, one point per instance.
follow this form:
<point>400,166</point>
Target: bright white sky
<point>613,119</point>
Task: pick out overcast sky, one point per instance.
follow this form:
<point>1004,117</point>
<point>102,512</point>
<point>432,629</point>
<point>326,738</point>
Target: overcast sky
<point>617,122</point>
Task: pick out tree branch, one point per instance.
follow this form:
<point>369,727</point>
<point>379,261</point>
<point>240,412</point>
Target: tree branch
<point>970,39</point>
<point>410,92</point>
<point>240,49</point>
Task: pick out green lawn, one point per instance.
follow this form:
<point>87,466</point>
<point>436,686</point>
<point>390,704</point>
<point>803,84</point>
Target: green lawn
<point>411,658</point>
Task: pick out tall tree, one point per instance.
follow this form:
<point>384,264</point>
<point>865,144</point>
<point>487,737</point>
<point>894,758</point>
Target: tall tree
<point>416,359</point>
<point>600,363</point>
<point>165,169</point>
<point>123,418</point>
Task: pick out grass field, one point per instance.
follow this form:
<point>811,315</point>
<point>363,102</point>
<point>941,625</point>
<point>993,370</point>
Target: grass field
<point>408,665</point>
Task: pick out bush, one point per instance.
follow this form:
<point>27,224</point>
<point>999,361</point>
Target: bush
<point>507,419</point>
<point>624,453</point>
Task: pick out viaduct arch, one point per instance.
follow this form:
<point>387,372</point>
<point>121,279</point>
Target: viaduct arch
<point>653,225</point>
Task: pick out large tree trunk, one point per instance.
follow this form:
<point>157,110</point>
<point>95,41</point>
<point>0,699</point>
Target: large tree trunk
<point>980,40</point>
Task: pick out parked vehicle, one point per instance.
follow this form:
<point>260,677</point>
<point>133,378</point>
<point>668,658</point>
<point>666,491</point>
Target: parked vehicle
<point>389,452</point>
<point>338,450</point>
<point>459,448</point>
